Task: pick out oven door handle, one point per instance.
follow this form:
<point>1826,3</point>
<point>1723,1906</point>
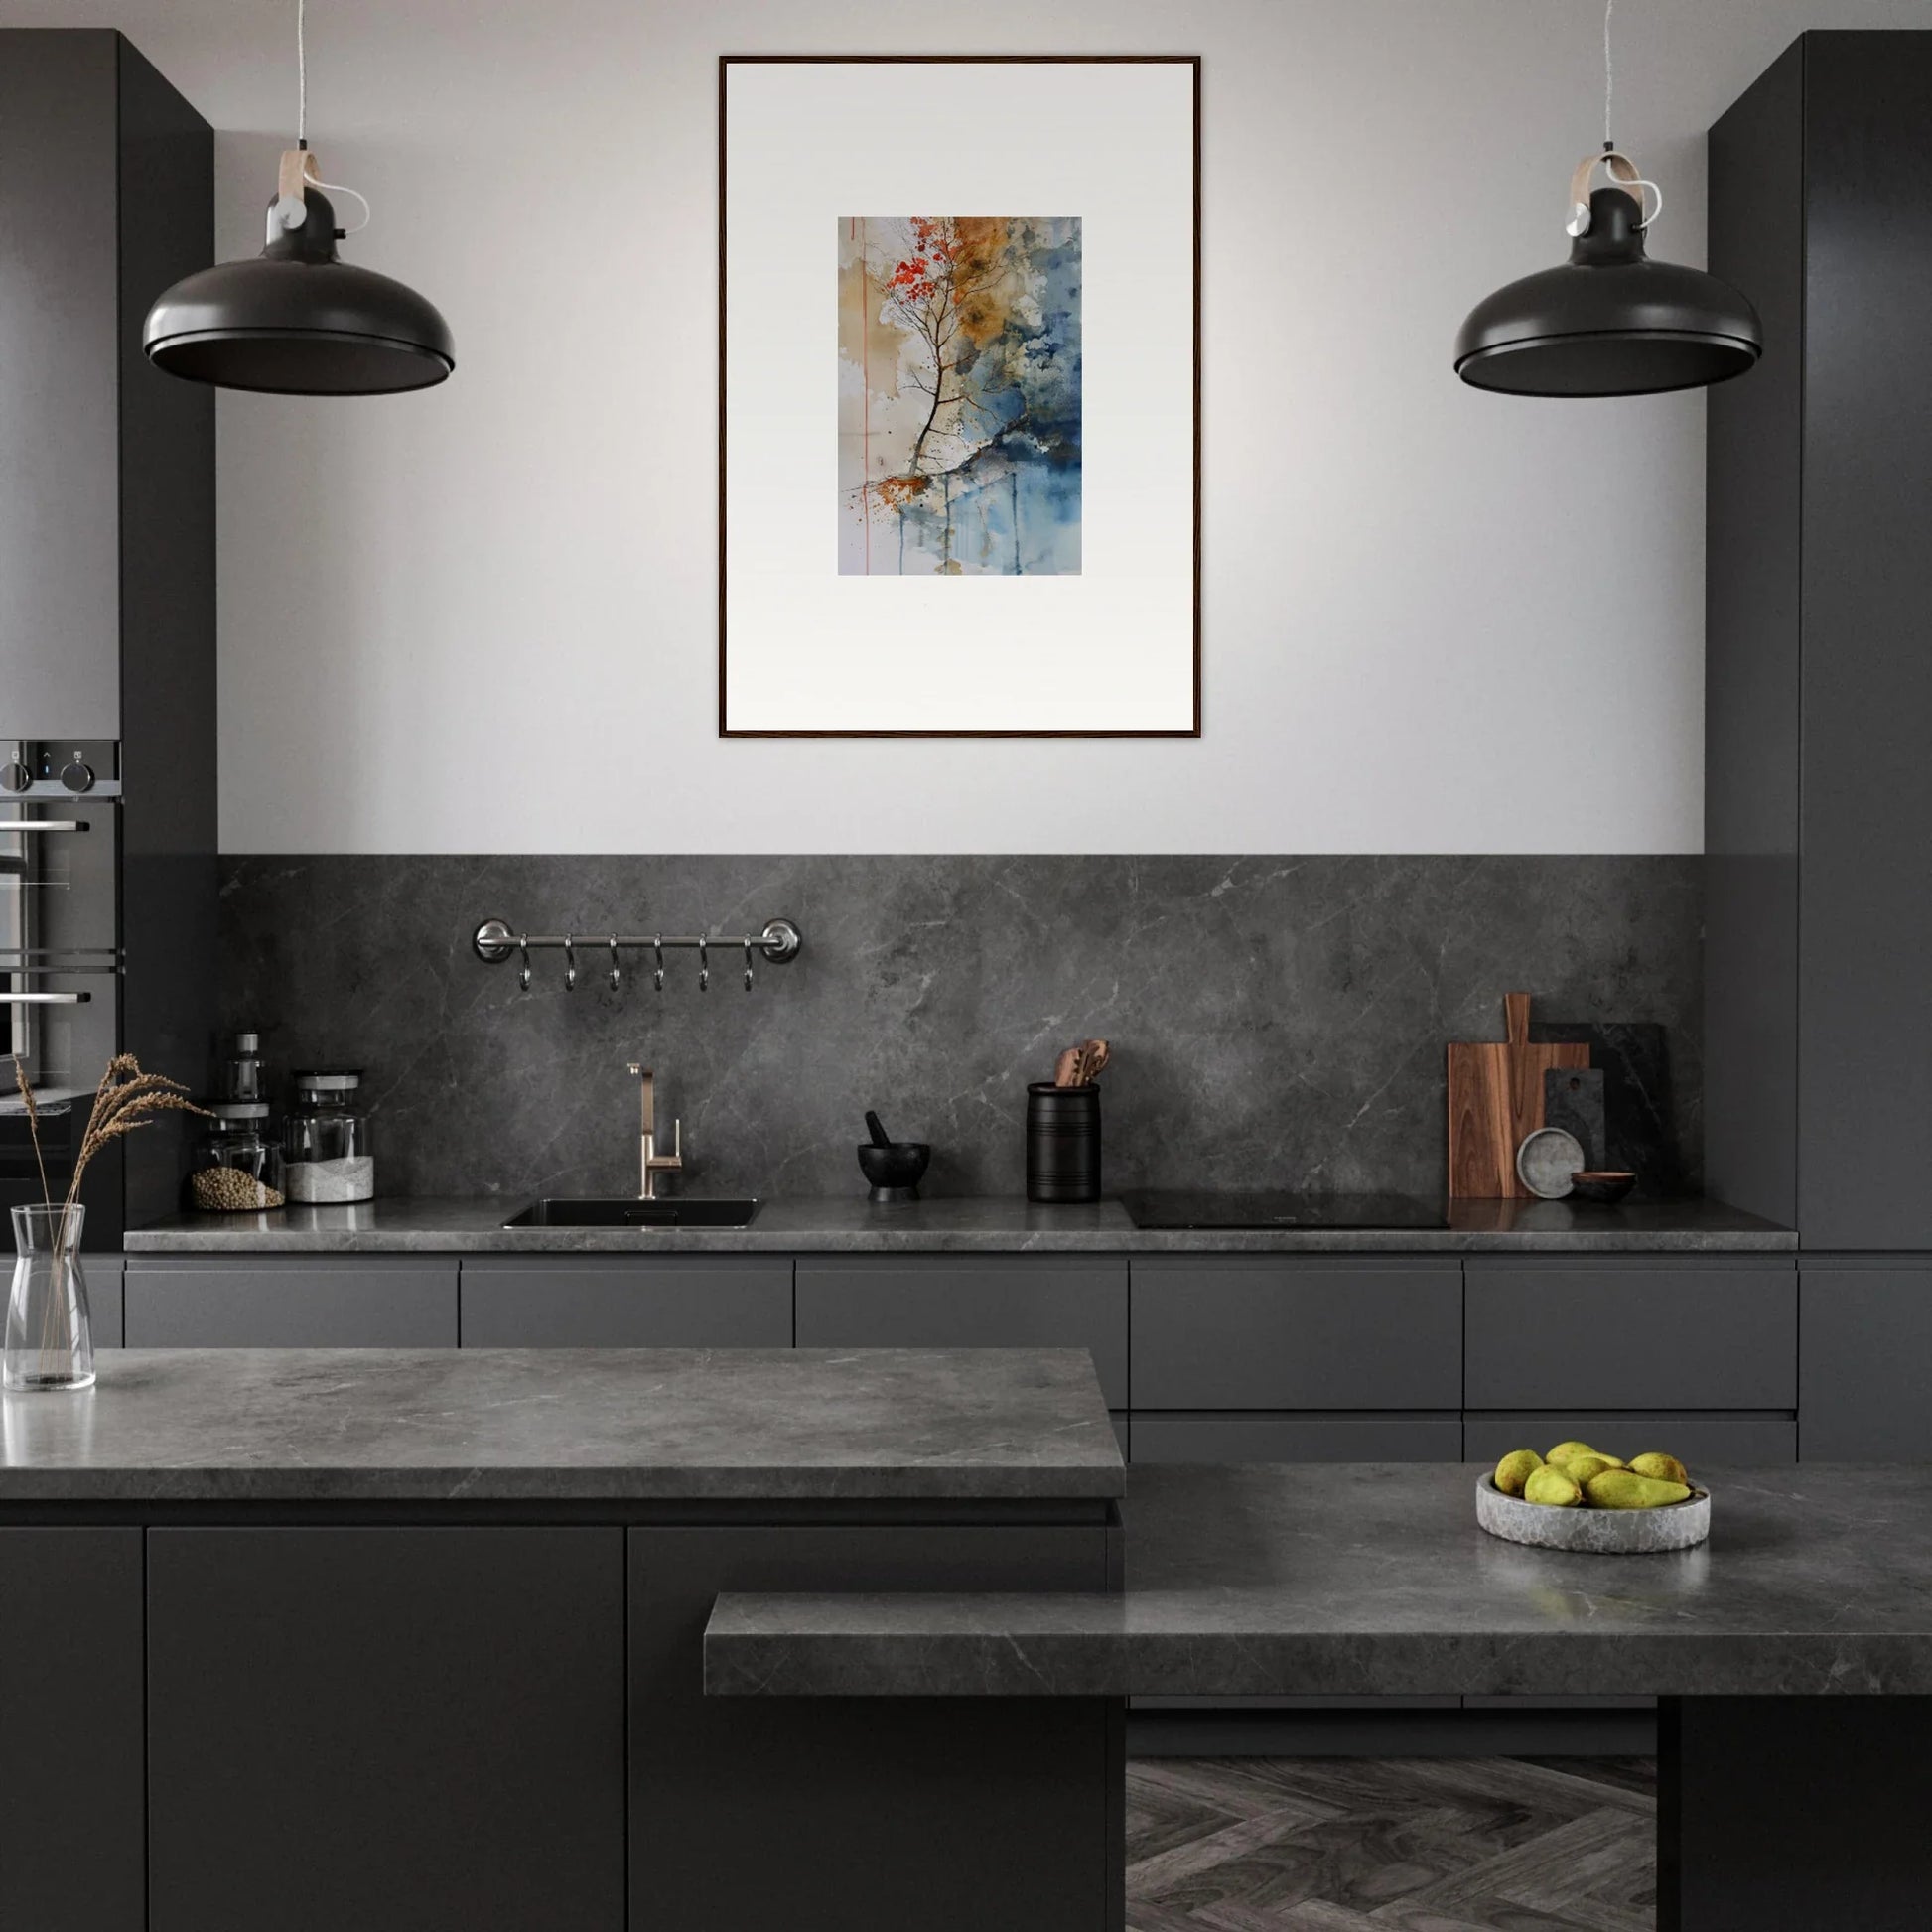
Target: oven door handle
<point>44,999</point>
<point>43,825</point>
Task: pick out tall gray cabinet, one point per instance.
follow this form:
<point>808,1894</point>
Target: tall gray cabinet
<point>1819,717</point>
<point>106,603</point>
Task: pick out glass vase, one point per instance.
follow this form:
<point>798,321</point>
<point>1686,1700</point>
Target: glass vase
<point>49,1337</point>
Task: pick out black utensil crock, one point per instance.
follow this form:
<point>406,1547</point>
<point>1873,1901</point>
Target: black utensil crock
<point>1062,1143</point>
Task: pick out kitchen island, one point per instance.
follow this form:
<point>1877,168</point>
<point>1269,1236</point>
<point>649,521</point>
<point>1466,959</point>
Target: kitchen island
<point>1793,1651</point>
<point>413,1639</point>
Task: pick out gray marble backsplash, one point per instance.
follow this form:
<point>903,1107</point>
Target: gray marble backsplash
<point>1275,1021</point>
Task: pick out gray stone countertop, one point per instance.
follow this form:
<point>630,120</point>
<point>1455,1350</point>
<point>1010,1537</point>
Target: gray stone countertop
<point>993,1225</point>
<point>565,1425</point>
<point>1374,1578</point>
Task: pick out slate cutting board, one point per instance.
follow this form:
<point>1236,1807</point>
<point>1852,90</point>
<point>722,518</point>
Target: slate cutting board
<point>1495,1099</point>
<point>1641,1120</point>
<point>1573,1099</point>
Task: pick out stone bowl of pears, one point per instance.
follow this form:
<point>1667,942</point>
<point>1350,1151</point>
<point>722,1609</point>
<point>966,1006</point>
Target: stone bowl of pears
<point>1579,1498</point>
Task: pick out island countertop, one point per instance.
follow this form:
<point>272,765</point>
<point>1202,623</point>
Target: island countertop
<point>1373,1579</point>
<point>565,1425</point>
<point>962,1225</point>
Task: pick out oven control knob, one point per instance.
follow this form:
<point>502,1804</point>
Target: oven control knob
<point>78,777</point>
<point>15,776</point>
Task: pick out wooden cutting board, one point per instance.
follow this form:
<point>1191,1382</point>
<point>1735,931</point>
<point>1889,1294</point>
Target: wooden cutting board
<point>1495,1099</point>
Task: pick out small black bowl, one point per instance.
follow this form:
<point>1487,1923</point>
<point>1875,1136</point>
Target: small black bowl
<point>895,1170</point>
<point>1605,1187</point>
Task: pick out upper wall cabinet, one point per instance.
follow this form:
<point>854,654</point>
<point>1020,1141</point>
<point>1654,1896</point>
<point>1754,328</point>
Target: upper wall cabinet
<point>1818,802</point>
<point>106,466</point>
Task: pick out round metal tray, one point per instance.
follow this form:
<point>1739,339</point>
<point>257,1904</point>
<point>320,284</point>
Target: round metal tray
<point>1596,1532</point>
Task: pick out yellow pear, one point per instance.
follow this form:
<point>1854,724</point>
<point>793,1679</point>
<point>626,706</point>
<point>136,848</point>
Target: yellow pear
<point>1666,1468</point>
<point>1552,1486</point>
<point>1565,1451</point>
<point>1515,1470</point>
<point>1579,1468</point>
<point>1624,1490</point>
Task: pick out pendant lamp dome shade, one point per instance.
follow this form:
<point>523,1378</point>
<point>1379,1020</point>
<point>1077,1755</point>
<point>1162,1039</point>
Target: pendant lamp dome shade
<point>1609,322</point>
<point>297,319</point>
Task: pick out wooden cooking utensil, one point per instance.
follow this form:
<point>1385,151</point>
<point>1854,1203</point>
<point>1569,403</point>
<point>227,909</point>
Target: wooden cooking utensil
<point>1495,1099</point>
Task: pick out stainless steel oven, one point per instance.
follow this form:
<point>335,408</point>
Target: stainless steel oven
<point>60,953</point>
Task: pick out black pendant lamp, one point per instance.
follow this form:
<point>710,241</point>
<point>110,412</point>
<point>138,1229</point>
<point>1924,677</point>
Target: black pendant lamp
<point>297,319</point>
<point>1609,322</point>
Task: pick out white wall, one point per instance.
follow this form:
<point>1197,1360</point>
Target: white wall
<point>483,619</point>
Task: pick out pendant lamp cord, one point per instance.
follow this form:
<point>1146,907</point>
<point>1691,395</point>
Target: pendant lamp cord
<point>1610,75</point>
<point>302,117</point>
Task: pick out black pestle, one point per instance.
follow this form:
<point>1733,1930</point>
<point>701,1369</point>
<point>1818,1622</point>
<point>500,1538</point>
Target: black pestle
<point>874,1125</point>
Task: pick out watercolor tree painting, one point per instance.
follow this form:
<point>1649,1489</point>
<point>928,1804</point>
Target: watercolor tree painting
<point>959,395</point>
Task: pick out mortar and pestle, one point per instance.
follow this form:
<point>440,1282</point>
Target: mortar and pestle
<point>893,1167</point>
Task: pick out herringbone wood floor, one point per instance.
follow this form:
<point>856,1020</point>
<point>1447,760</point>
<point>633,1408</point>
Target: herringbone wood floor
<point>1391,1844</point>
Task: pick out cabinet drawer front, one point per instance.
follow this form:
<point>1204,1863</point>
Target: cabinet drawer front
<point>704,1302</point>
<point>301,1682</point>
<point>1868,1364</point>
<point>1632,1337</point>
<point>103,1272</point>
<point>1236,1333</point>
<point>71,1750</point>
<point>1017,1303</point>
<point>1298,1439</point>
<point>1738,1441</point>
<point>362,1303</point>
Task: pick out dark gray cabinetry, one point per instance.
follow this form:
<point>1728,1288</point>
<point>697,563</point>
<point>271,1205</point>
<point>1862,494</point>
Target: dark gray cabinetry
<point>71,1741</point>
<point>1819,682</point>
<point>825,1814</point>
<point>1866,1390</point>
<point>59,509</point>
<point>103,1273</point>
<point>285,1302</point>
<point>672,1301</point>
<point>397,1730</point>
<point>1008,1302</point>
<point>106,475</point>
<point>1261,1333</point>
<point>1296,1438</point>
<point>1739,1439</point>
<point>1630,1335</point>
<point>108,559</point>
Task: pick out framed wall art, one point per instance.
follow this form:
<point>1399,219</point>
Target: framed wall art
<point>959,396</point>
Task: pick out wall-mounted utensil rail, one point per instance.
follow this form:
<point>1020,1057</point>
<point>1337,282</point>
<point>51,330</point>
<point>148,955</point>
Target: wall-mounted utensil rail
<point>496,942</point>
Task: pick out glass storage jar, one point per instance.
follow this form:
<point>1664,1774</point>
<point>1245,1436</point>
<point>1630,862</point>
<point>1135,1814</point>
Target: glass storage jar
<point>326,1138</point>
<point>236,1165</point>
<point>238,1076</point>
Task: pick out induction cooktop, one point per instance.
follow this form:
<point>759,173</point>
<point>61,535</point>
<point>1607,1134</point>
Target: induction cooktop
<point>1156,1208</point>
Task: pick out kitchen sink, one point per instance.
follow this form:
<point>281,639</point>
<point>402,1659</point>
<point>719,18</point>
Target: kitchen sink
<point>633,1214</point>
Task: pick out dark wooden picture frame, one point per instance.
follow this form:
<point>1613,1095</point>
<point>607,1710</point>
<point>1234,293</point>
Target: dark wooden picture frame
<point>725,63</point>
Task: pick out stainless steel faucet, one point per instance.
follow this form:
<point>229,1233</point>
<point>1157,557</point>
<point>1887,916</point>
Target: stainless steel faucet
<point>650,1163</point>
